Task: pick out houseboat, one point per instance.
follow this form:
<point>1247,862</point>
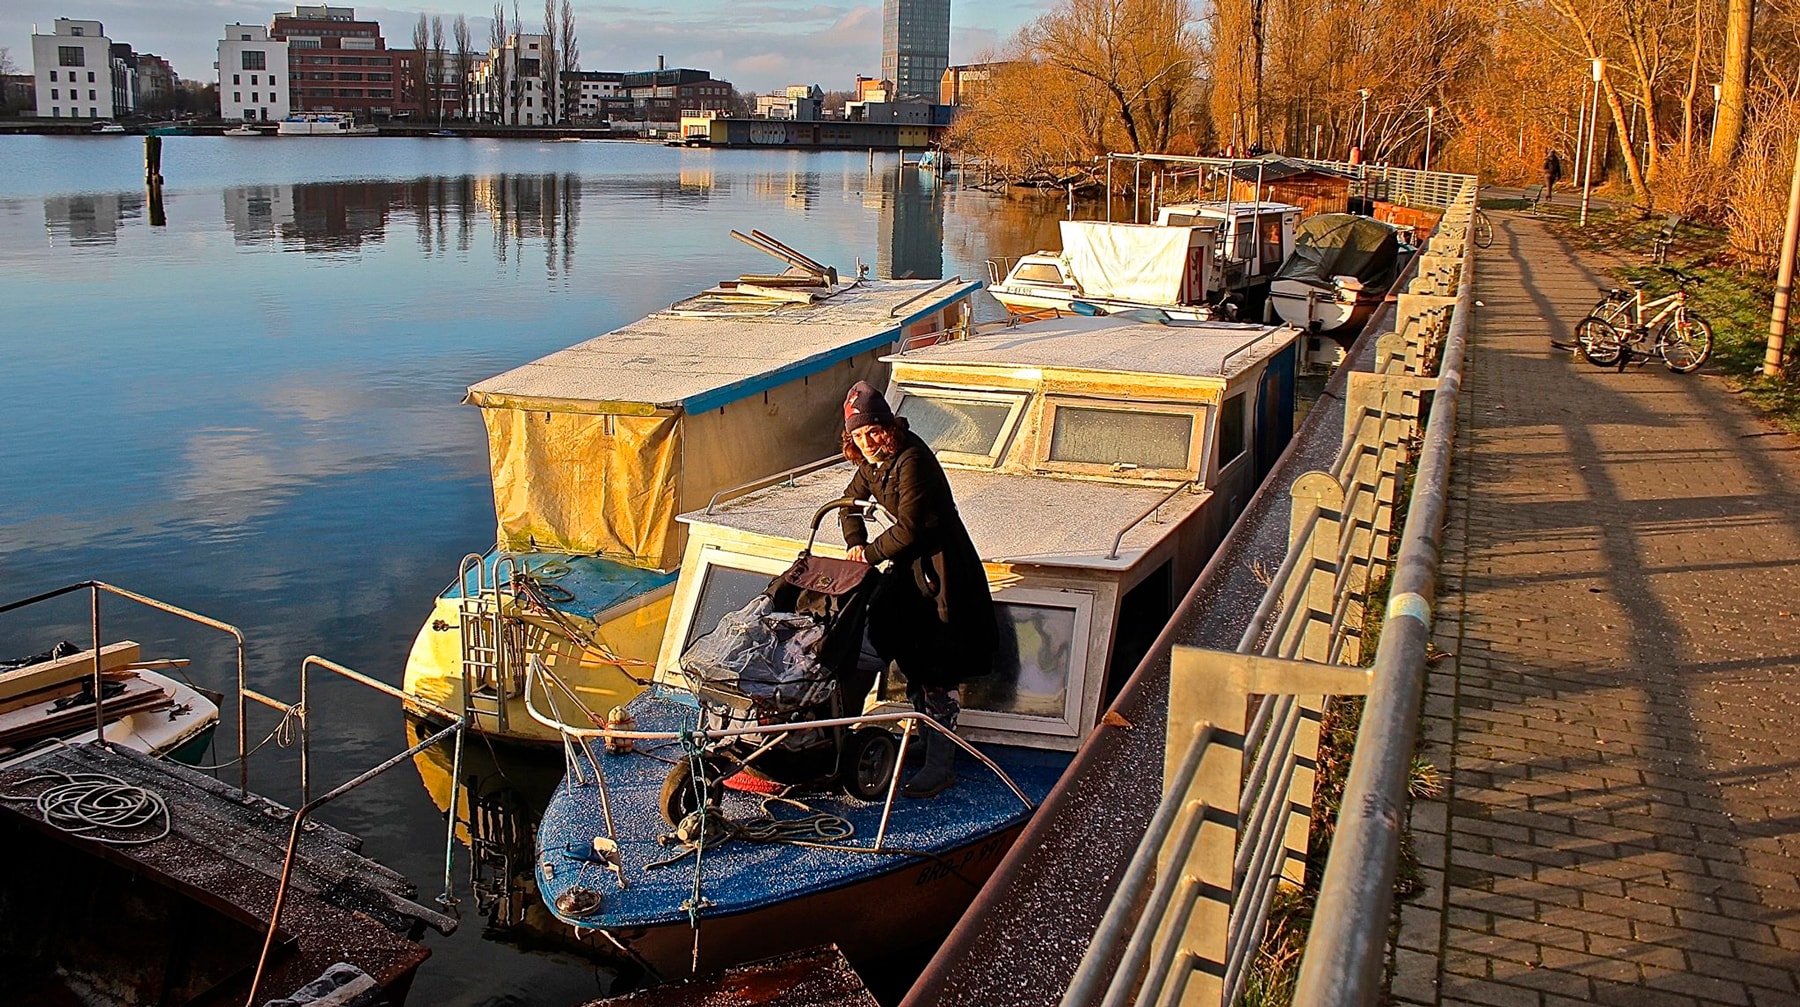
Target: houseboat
<point>1112,267</point>
<point>595,449</point>
<point>323,124</point>
<point>1097,462</point>
<point>1339,273</point>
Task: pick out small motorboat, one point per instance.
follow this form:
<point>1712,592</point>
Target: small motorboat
<point>245,130</point>
<point>1097,463</point>
<point>50,697</point>
<point>108,127</point>
<point>1109,267</point>
<point>1341,269</point>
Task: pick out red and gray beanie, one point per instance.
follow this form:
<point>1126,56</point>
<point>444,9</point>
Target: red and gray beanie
<point>863,406</point>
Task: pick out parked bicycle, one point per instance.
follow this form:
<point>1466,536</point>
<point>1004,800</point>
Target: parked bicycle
<point>1482,230</point>
<point>1617,327</point>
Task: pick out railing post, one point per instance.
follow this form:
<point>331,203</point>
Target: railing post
<point>1318,489</point>
<point>1204,689</point>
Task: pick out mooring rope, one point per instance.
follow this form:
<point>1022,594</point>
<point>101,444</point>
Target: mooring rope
<point>98,806</point>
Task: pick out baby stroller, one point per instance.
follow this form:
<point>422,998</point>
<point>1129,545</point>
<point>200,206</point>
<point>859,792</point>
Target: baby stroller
<point>790,655</point>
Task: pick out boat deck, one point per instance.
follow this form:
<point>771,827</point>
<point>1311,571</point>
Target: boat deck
<point>221,860</point>
<point>594,584</point>
<point>740,876</point>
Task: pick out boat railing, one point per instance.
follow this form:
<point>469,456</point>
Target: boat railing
<point>894,312</point>
<point>783,478</point>
<point>1244,726</point>
<point>299,712</point>
<point>909,722</point>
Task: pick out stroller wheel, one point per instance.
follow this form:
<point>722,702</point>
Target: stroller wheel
<point>679,798</point>
<point>868,763</point>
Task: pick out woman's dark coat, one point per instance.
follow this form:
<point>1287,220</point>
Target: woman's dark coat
<point>932,613</point>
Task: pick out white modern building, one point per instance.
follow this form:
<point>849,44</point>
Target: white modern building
<point>75,73</point>
<point>509,87</point>
<point>253,75</point>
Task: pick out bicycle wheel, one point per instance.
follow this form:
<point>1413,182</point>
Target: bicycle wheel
<point>1601,342</point>
<point>1612,309</point>
<point>1483,230</point>
<point>1686,342</point>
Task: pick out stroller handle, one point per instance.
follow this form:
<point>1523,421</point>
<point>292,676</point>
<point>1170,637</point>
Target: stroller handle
<point>841,503</point>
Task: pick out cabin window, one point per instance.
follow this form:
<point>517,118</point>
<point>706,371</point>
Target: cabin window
<point>1242,238</point>
<point>1179,219</point>
<point>1232,439</point>
<point>1039,679</point>
<point>968,427</point>
<point>1121,438</point>
<point>1039,272</point>
<point>722,590</point>
<point>1271,242</point>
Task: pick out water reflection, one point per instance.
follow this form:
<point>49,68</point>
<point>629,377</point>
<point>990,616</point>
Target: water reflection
<point>91,219</point>
<point>910,231</point>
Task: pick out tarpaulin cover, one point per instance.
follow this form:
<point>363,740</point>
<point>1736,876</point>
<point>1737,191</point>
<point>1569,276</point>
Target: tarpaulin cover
<point>1136,262</point>
<point>600,484</point>
<point>1343,244</point>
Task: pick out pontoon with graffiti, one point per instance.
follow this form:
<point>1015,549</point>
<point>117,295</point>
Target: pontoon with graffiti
<point>596,448</point>
<point>1096,463</point>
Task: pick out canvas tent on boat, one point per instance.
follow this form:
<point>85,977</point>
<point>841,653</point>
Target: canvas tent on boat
<point>1343,244</point>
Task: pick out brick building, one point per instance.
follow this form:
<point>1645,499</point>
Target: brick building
<point>339,64</point>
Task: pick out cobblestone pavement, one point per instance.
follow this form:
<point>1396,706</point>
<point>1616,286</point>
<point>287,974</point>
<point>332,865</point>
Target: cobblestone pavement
<point>1616,715</point>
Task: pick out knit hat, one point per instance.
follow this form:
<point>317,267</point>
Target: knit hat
<point>863,406</point>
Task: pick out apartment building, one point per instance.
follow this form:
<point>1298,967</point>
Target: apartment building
<point>254,77</point>
<point>337,63</point>
<point>76,74</point>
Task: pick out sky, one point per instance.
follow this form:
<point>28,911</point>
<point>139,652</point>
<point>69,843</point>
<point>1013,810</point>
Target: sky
<point>758,45</point>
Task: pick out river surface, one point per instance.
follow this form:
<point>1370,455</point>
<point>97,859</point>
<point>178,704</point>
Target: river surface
<point>253,409</point>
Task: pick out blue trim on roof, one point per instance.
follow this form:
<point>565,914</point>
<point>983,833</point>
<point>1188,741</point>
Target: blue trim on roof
<point>738,391</point>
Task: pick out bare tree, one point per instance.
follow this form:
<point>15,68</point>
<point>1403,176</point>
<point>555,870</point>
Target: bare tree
<point>552,81</point>
<point>517,94</point>
<point>421,43</point>
<point>434,66</point>
<point>459,32</point>
<point>1734,88</point>
<point>571,59</point>
<point>1143,53</point>
<point>497,70</point>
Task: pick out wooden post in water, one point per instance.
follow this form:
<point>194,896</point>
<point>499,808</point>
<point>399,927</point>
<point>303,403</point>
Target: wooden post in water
<point>153,179</point>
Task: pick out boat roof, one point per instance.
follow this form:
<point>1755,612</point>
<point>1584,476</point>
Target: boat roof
<point>1235,206</point>
<point>1197,349</point>
<point>1012,518</point>
<point>717,348</point>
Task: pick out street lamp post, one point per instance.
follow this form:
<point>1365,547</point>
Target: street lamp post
<point>1430,114</point>
<point>1598,66</point>
<point>1362,131</point>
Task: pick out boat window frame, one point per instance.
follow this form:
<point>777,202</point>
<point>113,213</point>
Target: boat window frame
<point>1018,400</point>
<point>1199,437</point>
<point>708,558</point>
<point>1069,725</point>
<point>1215,449</point>
<point>1066,283</point>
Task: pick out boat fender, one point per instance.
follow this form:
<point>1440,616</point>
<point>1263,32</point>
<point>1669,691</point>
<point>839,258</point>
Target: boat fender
<point>620,719</point>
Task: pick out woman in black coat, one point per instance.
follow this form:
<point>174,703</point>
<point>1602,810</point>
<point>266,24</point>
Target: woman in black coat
<point>932,613</point>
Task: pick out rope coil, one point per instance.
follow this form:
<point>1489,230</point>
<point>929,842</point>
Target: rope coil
<point>98,806</point>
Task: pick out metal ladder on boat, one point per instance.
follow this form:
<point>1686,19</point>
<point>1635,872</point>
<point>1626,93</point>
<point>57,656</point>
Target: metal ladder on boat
<point>493,645</point>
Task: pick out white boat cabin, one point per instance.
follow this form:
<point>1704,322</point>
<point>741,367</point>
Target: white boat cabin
<point>1257,236</point>
<point>1097,463</point>
<point>1114,267</point>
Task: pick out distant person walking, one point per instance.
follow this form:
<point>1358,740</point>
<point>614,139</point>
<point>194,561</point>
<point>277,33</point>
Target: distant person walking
<point>1552,173</point>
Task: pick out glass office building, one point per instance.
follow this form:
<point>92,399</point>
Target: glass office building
<point>915,45</point>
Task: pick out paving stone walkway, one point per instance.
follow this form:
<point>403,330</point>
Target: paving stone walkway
<point>1619,714</point>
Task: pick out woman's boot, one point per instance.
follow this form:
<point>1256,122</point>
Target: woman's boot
<point>940,767</point>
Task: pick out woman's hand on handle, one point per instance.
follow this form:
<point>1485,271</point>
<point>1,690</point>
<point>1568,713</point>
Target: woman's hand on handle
<point>856,554</point>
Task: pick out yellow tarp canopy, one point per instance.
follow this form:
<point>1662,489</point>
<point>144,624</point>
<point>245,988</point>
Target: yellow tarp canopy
<point>600,484</point>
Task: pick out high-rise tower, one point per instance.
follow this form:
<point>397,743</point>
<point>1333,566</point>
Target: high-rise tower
<point>915,45</point>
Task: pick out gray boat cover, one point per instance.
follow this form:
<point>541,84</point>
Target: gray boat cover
<point>1343,244</point>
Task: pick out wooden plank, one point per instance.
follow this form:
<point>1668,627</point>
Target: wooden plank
<point>39,721</point>
<point>48,673</point>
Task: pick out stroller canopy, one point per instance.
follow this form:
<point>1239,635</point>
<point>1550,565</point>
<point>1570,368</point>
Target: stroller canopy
<point>1342,244</point>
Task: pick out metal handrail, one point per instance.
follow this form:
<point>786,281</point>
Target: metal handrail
<point>1119,539</point>
<point>772,480</point>
<point>1344,957</point>
<point>894,312</point>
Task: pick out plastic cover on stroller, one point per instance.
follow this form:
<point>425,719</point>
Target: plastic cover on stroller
<point>765,660</point>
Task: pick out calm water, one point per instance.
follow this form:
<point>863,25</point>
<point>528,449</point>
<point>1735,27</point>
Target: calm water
<point>253,411</point>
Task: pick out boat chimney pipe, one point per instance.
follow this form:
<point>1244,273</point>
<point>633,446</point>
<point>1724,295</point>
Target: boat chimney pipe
<point>659,61</point>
